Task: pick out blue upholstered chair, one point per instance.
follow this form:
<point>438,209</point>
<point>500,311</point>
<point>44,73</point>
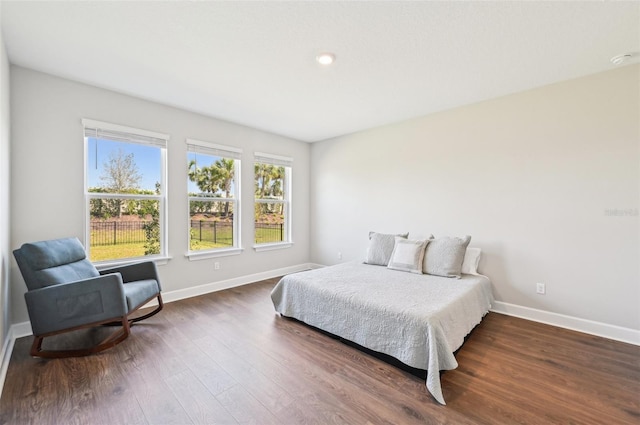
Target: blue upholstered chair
<point>66,292</point>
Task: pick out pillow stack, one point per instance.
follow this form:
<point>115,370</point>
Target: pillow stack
<point>444,256</point>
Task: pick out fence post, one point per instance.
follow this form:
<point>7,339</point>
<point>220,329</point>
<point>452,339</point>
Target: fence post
<point>281,233</point>
<point>200,225</point>
<point>115,228</point>
<point>215,232</point>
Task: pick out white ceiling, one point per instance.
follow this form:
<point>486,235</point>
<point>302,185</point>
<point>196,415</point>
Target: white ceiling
<point>253,63</point>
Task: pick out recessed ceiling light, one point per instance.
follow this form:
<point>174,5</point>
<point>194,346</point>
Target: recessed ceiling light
<point>618,60</point>
<point>326,58</point>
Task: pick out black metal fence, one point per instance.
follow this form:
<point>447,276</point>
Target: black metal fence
<point>218,232</point>
<point>269,232</point>
<point>117,232</point>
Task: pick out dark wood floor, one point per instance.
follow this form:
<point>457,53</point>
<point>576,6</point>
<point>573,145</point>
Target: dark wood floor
<point>227,358</point>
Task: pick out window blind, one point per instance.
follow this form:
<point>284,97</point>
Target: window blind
<point>268,158</point>
<point>121,133</point>
<point>207,148</point>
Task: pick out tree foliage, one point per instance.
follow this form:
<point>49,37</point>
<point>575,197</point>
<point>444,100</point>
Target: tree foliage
<point>269,181</point>
<point>150,208</point>
<point>121,175</point>
<point>120,172</point>
<point>214,180</point>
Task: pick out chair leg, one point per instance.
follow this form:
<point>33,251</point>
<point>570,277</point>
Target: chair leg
<point>146,316</point>
<point>111,341</point>
<point>36,346</point>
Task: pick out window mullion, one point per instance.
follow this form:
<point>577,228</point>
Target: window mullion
<point>98,195</point>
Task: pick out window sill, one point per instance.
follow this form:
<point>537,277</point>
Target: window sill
<point>272,246</point>
<point>159,260</point>
<point>195,255</point>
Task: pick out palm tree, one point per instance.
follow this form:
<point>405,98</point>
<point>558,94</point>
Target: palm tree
<point>215,178</point>
<point>207,178</point>
<point>269,180</point>
<point>277,176</point>
<point>226,172</point>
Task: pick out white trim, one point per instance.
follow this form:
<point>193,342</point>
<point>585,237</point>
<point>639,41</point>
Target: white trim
<point>213,149</point>
<point>203,255</point>
<point>122,128</point>
<point>97,195</point>
<point>268,158</point>
<point>237,212</point>
<point>5,356</point>
<point>160,143</point>
<point>207,288</point>
<point>272,246</point>
<point>618,333</point>
<point>16,331</point>
<point>23,329</point>
<point>604,330</point>
<point>160,260</point>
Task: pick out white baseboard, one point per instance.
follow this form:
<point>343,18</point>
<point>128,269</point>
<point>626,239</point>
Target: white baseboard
<point>618,333</point>
<point>181,294</point>
<point>15,331</point>
<point>19,330</point>
<point>7,349</point>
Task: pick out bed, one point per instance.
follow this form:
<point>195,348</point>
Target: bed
<point>419,319</point>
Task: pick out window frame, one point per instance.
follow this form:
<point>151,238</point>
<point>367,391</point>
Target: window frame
<point>226,152</point>
<point>287,163</point>
<point>121,133</point>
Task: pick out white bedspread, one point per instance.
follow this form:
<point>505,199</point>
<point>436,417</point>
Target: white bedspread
<point>418,319</point>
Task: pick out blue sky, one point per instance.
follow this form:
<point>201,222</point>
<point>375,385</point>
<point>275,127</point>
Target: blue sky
<point>146,158</point>
<point>201,161</point>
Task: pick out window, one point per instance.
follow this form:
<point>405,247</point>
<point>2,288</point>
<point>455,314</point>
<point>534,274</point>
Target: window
<point>213,176</point>
<point>125,192</point>
<point>272,188</point>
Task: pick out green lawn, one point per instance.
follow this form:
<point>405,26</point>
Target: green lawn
<point>114,252</point>
<point>223,237</point>
<point>267,236</point>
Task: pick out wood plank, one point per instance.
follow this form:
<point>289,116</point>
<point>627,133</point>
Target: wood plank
<point>228,358</point>
<point>201,406</point>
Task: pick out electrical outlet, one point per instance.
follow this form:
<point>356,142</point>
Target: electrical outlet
<point>540,288</point>
<point>339,255</point>
<point>216,265</point>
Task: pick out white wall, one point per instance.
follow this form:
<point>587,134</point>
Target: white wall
<point>5,251</point>
<point>47,198</point>
<point>529,176</point>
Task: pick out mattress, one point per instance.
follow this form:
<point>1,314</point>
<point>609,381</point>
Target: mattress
<point>420,320</point>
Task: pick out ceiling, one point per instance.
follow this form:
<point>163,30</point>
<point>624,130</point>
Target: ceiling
<point>253,63</point>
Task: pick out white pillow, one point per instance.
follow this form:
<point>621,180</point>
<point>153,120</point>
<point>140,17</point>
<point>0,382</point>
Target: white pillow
<point>444,256</point>
<point>471,260</point>
<point>407,255</point>
<point>380,247</point>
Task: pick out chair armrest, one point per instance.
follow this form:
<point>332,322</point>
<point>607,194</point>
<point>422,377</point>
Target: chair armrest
<point>136,271</point>
<point>68,305</point>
